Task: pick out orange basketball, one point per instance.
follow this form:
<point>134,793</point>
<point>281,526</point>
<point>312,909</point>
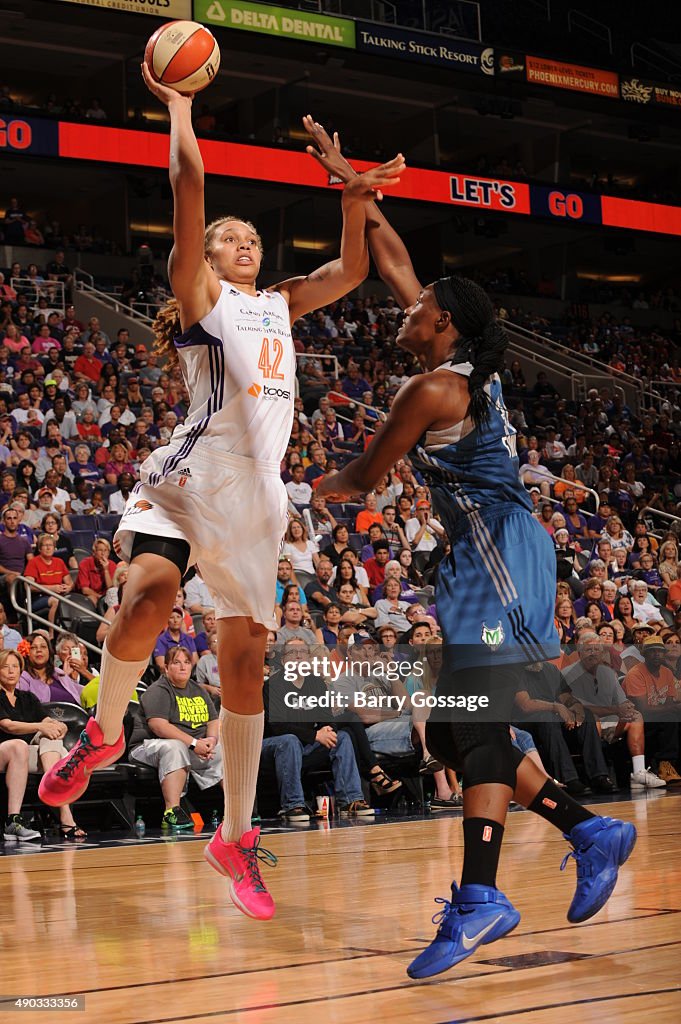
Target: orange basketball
<point>183,55</point>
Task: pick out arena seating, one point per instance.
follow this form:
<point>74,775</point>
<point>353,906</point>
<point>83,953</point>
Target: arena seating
<point>632,457</point>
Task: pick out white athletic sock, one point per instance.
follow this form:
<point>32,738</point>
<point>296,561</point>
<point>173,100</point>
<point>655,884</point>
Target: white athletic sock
<point>241,742</point>
<point>116,687</point>
<point>638,762</point>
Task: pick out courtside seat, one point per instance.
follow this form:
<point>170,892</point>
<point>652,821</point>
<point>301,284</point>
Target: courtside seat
<point>107,524</point>
<point>81,523</point>
<point>108,787</point>
<point>84,614</point>
<point>83,538</point>
<point>405,768</point>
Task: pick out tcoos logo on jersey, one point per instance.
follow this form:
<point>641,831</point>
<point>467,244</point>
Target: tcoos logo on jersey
<point>268,393</point>
<point>493,637</point>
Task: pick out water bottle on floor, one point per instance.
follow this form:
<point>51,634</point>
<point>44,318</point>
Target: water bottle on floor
<point>140,827</point>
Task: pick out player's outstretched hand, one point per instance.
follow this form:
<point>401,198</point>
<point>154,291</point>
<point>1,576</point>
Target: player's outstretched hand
<point>328,488</point>
<point>369,186</point>
<point>327,152</point>
<point>162,92</point>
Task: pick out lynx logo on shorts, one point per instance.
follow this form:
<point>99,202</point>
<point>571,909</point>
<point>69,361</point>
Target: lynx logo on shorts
<point>494,637</point>
<point>140,506</point>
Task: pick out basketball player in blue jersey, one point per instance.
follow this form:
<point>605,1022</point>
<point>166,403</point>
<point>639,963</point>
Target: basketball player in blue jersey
<point>213,497</point>
<point>495,592</point>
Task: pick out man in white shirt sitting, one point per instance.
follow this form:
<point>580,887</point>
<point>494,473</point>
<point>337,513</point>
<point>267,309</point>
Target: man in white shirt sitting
<point>118,499</point>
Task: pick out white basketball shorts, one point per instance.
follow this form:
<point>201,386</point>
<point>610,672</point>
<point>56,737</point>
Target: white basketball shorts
<point>231,510</point>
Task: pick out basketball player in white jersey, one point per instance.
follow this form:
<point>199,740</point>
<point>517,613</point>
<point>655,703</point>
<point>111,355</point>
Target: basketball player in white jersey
<point>213,497</point>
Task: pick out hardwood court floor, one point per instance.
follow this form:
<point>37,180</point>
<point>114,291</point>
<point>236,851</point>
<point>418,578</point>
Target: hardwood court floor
<point>146,933</point>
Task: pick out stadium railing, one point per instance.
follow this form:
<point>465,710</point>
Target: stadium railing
<point>663,515</point>
<point>83,612</point>
<point>53,291</point>
<point>573,483</point>
<point>85,283</point>
<point>586,366</point>
<point>354,401</point>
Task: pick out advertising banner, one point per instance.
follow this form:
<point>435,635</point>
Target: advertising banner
<point>29,135</point>
<point>405,44</point>
<point>276,21</point>
<point>558,75</point>
<point>643,92</point>
<point>136,148</point>
<point>510,64</point>
<point>552,201</point>
<point>158,8</point>
<point>489,193</point>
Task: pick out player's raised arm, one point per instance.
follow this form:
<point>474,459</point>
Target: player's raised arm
<point>194,284</point>
<point>387,248</point>
<point>337,278</point>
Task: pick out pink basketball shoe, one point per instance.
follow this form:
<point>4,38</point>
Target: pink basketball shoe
<point>69,778</point>
<point>239,861</point>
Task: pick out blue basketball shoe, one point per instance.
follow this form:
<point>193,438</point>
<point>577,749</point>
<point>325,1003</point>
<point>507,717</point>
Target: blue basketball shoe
<point>476,916</point>
<point>600,846</point>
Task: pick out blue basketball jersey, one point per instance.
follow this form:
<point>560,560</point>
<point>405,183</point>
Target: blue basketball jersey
<point>495,594</point>
<point>471,468</point>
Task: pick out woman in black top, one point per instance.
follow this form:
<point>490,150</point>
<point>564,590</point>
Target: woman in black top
<point>26,476</point>
<point>23,717</point>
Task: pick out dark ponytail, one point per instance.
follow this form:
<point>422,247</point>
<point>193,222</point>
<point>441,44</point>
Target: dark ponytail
<point>487,357</point>
<point>483,339</point>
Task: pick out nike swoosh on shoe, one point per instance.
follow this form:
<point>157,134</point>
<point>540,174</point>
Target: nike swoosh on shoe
<point>468,942</point>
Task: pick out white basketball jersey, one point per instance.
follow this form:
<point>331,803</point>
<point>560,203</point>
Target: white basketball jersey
<point>239,366</point>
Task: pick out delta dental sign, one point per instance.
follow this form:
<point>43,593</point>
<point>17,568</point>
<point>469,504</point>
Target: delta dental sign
<point>276,21</point>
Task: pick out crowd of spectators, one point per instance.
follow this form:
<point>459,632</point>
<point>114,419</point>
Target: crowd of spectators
<point>80,411</point>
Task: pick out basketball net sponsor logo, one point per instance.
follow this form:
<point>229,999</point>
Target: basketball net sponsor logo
<point>493,637</point>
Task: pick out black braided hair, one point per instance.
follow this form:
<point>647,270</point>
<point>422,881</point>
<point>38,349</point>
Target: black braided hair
<point>483,339</point>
